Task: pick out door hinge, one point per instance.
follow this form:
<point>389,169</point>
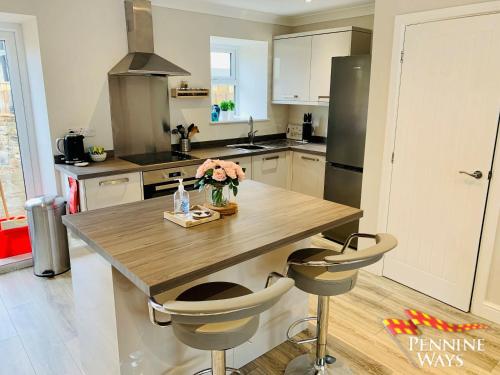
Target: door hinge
<point>490,175</point>
<point>402,56</point>
<point>392,158</point>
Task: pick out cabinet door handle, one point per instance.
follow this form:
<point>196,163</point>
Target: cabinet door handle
<point>308,158</point>
<point>290,97</point>
<point>271,157</point>
<point>114,182</point>
<point>323,96</point>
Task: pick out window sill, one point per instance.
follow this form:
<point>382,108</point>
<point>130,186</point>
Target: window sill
<point>237,121</point>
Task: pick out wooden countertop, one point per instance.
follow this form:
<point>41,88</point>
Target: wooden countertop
<point>117,166</point>
<point>157,255</point>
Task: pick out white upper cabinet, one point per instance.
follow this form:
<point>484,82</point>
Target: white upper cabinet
<point>324,47</point>
<point>292,69</point>
<point>302,62</point>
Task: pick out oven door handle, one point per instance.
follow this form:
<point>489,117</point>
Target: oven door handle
<point>171,186</point>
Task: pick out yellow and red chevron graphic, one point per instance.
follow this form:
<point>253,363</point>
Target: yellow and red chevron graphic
<point>420,318</point>
<point>398,326</point>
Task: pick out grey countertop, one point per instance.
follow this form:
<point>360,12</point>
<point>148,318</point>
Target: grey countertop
<point>118,166</point>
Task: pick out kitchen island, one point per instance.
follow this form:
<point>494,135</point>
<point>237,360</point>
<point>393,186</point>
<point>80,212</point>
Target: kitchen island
<point>132,253</point>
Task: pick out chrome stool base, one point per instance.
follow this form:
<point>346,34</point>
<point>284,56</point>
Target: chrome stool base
<point>306,365</point>
<point>219,365</point>
<point>229,371</point>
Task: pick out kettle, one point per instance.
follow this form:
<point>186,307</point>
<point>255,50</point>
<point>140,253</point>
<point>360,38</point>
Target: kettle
<point>72,147</point>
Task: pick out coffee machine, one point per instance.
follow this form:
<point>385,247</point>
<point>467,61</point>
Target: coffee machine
<point>71,146</point>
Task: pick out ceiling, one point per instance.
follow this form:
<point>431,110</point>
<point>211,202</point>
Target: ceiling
<point>289,7</point>
<point>283,12</point>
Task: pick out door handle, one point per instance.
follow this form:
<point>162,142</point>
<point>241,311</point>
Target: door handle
<point>476,174</point>
<point>114,182</point>
<point>308,158</point>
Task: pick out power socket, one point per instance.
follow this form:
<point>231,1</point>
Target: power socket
<point>86,132</point>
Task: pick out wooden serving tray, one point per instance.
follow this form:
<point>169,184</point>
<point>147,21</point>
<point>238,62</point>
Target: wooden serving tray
<point>187,220</point>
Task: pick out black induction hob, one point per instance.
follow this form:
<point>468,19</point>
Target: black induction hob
<point>157,157</point>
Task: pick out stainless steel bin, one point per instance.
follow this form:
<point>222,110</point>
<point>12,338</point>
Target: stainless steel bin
<point>49,239</point>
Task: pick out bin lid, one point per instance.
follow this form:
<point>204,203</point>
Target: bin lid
<point>45,202</point>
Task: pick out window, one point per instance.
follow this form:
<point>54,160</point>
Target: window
<point>223,70</point>
<point>239,74</point>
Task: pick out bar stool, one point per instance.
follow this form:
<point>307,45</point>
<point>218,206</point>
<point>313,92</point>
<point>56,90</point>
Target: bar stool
<point>217,316</point>
<point>327,273</point>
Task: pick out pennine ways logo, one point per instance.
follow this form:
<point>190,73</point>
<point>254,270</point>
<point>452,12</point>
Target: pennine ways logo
<point>432,352</point>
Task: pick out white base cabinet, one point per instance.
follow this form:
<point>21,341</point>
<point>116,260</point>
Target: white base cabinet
<point>271,169</point>
<point>246,163</point>
<point>308,174</point>
<point>106,191</point>
<point>112,190</point>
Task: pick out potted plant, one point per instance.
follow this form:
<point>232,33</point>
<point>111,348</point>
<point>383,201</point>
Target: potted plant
<point>224,108</point>
<point>230,111</point>
<point>97,153</point>
<point>219,178</point>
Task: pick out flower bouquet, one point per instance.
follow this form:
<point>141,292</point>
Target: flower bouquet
<point>219,178</point>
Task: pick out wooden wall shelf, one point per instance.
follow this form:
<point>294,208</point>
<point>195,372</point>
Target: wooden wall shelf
<point>189,93</point>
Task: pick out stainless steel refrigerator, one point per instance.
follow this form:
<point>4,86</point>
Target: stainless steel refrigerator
<point>345,150</point>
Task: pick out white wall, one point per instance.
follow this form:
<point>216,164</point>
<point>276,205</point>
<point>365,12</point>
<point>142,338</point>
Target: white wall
<point>253,89</point>
<point>79,43</point>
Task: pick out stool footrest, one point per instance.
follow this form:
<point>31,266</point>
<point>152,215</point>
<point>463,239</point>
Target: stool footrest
<point>289,335</point>
<point>229,370</point>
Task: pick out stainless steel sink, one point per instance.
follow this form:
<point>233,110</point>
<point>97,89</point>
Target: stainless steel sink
<point>248,147</point>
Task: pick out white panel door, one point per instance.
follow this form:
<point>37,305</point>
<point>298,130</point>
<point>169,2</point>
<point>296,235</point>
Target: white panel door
<point>292,69</point>
<point>447,123</point>
<point>324,47</point>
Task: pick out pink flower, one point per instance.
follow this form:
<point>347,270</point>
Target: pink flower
<point>202,169</point>
<point>219,175</point>
<point>231,172</point>
<point>240,173</point>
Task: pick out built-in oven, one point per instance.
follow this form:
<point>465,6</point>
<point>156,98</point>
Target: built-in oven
<point>162,182</point>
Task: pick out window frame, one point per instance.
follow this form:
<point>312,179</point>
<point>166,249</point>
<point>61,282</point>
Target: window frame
<point>233,79</point>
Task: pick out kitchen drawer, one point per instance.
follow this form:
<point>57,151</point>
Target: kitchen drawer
<point>112,190</point>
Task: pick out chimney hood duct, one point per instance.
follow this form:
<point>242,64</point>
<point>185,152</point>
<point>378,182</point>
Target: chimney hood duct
<point>141,59</point>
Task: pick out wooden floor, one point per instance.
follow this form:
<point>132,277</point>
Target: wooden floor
<point>38,334</point>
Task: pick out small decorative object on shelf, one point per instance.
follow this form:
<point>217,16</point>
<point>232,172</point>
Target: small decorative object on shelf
<point>97,153</point>
<point>189,92</point>
<point>220,178</point>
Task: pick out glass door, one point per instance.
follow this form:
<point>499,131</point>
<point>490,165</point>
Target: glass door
<point>15,152</point>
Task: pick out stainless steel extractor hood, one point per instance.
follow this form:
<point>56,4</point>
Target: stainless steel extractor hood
<point>141,59</point>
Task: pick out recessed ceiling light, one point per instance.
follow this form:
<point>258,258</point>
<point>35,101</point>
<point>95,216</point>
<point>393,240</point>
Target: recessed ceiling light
<point>308,1</point>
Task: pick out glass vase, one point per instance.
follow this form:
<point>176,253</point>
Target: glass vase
<point>218,196</point>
